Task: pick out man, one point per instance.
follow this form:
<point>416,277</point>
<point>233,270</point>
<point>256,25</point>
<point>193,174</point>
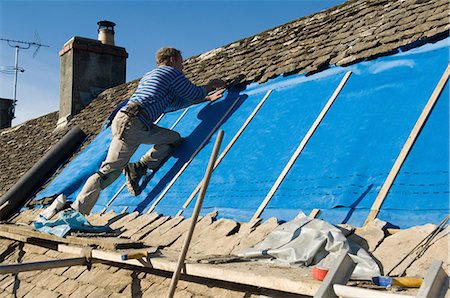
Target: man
<point>161,90</point>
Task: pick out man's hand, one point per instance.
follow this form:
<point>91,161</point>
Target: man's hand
<point>215,95</point>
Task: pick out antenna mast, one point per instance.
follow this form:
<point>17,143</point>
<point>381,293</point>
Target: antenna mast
<point>24,45</point>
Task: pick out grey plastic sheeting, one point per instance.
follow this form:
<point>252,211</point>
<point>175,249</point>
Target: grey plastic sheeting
<point>305,241</point>
<point>341,169</point>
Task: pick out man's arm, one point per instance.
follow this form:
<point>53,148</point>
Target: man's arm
<point>190,94</point>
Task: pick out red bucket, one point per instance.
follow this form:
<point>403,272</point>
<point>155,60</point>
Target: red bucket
<point>319,273</point>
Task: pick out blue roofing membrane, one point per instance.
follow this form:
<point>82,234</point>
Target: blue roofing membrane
<point>341,169</point>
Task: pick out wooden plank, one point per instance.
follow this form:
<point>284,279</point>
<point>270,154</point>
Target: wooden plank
<point>179,118</point>
<point>104,242</point>
<point>119,256</point>
<point>113,256</point>
<point>339,274</point>
<point>314,213</point>
<point>291,280</point>
<point>226,149</point>
<point>42,265</point>
<point>188,162</point>
<point>300,147</point>
<point>407,146</point>
<point>76,250</point>
<point>12,236</point>
<point>435,283</point>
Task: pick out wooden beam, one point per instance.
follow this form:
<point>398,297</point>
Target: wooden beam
<point>179,118</point>
<point>42,265</point>
<point>118,256</point>
<point>300,147</point>
<point>339,274</point>
<point>104,255</point>
<point>104,242</point>
<point>226,149</point>
<point>314,213</point>
<point>13,236</point>
<point>80,251</point>
<point>293,280</point>
<point>435,283</point>
<point>188,162</point>
<point>407,146</point>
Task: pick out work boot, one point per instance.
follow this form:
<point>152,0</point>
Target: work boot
<point>134,172</point>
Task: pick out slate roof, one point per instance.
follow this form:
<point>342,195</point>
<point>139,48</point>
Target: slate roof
<point>345,34</point>
<point>342,35</point>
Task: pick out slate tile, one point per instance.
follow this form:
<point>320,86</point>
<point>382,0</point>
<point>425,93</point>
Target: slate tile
<point>24,288</point>
<point>37,292</point>
<point>74,271</point>
<point>99,292</point>
<point>7,282</point>
<point>83,291</point>
<point>68,287</point>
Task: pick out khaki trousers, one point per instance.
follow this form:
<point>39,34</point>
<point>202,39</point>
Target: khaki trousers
<point>128,133</point>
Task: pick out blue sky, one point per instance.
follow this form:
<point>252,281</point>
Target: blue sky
<point>142,28</point>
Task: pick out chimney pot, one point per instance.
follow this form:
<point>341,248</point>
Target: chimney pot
<point>106,32</point>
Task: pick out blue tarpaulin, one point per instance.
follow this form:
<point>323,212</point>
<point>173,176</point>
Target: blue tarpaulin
<point>341,169</point>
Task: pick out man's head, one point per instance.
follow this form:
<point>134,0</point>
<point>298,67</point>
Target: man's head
<point>169,57</point>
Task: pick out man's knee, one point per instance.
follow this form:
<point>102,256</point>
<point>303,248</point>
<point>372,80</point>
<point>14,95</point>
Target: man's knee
<point>108,178</point>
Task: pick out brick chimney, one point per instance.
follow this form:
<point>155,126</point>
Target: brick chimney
<point>88,67</point>
<point>6,112</point>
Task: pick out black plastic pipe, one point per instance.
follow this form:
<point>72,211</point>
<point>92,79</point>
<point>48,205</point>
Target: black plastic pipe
<point>17,196</point>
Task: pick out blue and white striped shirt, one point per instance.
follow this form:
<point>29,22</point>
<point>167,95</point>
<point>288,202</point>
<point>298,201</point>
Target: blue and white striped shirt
<point>165,89</point>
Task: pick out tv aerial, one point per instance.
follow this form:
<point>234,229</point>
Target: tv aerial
<point>19,45</point>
